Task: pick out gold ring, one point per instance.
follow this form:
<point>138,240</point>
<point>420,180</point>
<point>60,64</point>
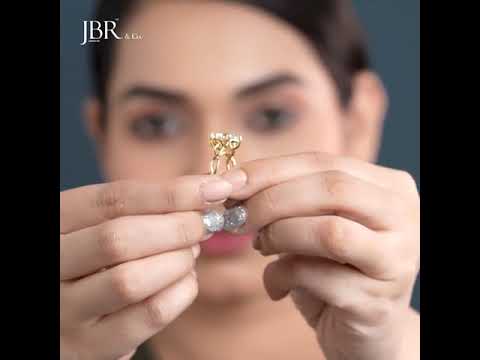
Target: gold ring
<point>224,145</point>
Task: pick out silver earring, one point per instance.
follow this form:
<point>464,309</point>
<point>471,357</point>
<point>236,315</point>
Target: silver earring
<point>213,221</point>
<point>235,218</point>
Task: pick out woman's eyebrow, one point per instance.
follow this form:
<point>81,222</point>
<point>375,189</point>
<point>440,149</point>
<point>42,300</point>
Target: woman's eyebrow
<point>267,83</point>
<point>155,93</point>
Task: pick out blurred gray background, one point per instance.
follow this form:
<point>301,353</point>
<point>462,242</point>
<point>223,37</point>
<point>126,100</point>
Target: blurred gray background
<point>393,28</point>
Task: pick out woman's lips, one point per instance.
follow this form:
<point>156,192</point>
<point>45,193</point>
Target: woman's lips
<point>225,243</point>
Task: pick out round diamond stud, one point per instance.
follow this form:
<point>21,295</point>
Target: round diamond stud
<point>235,218</point>
<point>213,221</point>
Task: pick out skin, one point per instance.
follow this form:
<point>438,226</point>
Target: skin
<point>337,234</point>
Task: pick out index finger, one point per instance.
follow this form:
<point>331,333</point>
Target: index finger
<point>90,205</point>
<point>264,173</point>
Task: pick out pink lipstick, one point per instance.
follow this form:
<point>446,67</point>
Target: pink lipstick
<point>225,243</point>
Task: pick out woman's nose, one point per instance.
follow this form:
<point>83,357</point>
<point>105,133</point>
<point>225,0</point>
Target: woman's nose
<point>201,157</point>
<point>200,154</point>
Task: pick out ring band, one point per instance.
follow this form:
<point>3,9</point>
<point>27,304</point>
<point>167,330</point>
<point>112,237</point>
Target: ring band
<point>223,145</point>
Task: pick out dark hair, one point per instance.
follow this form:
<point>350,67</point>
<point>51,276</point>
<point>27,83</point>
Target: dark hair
<point>330,25</point>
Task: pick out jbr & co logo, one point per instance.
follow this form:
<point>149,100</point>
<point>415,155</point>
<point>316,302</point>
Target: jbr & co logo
<point>94,31</point>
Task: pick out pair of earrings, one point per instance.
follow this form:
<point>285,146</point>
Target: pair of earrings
<point>231,220</point>
<point>224,145</point>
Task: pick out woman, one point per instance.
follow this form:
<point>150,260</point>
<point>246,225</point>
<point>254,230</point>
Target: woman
<point>326,227</point>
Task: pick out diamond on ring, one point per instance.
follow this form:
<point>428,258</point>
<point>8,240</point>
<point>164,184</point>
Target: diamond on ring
<point>235,218</point>
<point>213,221</point>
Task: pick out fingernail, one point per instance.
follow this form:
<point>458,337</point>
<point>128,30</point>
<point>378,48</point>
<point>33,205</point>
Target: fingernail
<point>257,242</point>
<point>215,190</point>
<point>278,295</point>
<point>236,177</point>
<point>207,236</point>
<point>196,250</point>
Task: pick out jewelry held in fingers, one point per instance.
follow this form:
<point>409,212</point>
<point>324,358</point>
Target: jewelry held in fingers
<point>235,218</point>
<point>213,221</point>
<point>223,145</point>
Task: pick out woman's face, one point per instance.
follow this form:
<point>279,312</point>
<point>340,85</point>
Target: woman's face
<point>206,67</point>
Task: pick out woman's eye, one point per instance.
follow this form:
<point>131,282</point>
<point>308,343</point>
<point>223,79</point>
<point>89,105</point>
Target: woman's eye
<point>154,127</point>
<point>270,119</point>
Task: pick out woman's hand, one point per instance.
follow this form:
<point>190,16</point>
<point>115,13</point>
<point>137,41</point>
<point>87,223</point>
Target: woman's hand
<point>347,233</point>
<point>127,256</point>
